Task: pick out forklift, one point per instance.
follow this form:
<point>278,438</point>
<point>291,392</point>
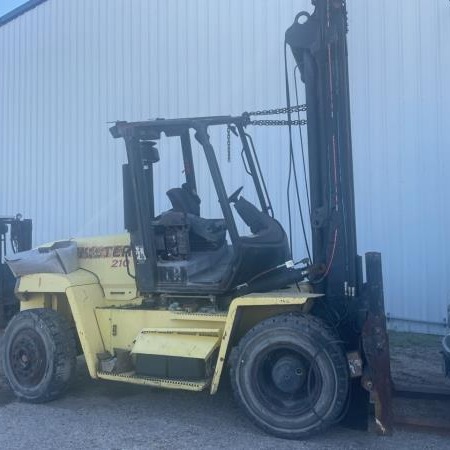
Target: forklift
<point>15,233</point>
<point>182,298</point>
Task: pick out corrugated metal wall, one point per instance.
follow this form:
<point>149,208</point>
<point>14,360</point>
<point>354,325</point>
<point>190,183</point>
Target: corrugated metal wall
<point>68,67</point>
<point>401,107</point>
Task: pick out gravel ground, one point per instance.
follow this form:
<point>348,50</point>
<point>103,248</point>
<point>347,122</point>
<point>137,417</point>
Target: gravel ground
<point>416,360</point>
<point>109,415</point>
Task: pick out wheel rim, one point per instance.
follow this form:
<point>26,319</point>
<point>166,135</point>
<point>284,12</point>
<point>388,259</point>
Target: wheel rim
<point>28,358</point>
<point>288,380</point>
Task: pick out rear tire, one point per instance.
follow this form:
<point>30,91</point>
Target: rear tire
<point>290,375</point>
<point>39,355</point>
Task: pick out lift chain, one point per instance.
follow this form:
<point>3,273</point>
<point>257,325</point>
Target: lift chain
<point>271,112</point>
<point>277,122</point>
<point>268,122</point>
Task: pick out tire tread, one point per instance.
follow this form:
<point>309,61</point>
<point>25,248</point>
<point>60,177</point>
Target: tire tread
<point>311,326</point>
<point>64,356</point>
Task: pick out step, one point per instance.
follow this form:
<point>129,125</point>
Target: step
<point>131,377</point>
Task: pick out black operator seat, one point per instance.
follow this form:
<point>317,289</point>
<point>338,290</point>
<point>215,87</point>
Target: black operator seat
<point>205,234</point>
<point>184,200</point>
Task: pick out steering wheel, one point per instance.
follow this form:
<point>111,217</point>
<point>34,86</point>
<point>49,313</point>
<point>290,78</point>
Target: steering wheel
<point>233,198</point>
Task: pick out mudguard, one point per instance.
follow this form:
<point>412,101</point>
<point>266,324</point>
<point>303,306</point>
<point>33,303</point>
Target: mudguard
<point>83,293</point>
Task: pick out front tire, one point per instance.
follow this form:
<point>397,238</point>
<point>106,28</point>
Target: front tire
<point>290,376</point>
<point>39,355</point>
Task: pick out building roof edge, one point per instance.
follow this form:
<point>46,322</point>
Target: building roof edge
<point>22,9</point>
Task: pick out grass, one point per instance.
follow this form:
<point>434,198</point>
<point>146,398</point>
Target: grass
<point>407,340</point>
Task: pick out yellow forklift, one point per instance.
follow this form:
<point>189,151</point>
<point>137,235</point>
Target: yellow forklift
<point>15,236</point>
<point>181,297</point>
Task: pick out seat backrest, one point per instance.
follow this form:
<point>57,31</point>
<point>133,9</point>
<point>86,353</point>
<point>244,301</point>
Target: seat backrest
<point>184,201</point>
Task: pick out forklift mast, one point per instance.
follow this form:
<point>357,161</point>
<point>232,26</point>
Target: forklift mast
<point>319,45</point>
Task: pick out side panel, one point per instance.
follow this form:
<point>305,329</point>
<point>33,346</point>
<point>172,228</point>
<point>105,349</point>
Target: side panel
<point>109,257</point>
<point>120,327</point>
<point>83,301</point>
<point>52,282</point>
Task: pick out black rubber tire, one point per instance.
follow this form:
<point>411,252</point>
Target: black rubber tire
<point>39,355</point>
<point>7,312</point>
<point>3,320</point>
<point>320,388</point>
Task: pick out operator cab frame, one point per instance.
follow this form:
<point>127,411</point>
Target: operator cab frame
<point>178,251</point>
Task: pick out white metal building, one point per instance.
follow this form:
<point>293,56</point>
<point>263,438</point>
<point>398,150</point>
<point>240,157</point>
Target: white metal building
<point>70,66</point>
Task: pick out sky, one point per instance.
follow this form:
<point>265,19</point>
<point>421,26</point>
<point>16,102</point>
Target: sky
<point>8,5</point>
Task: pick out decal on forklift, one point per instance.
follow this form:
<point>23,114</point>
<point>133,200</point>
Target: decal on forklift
<point>119,263</point>
<point>114,251</point>
<point>140,254</point>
